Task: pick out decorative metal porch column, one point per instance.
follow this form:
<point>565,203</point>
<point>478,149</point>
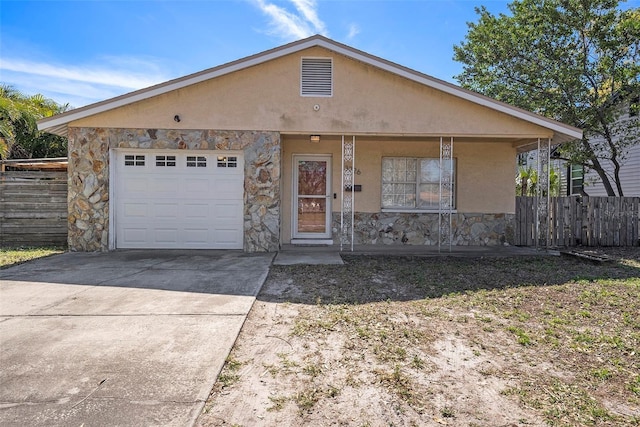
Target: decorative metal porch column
<point>446,193</point>
<point>346,192</point>
<point>543,193</point>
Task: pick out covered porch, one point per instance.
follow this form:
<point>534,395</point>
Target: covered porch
<point>400,190</point>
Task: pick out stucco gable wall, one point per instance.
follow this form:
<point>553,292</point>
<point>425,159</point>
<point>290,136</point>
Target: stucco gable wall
<point>267,97</point>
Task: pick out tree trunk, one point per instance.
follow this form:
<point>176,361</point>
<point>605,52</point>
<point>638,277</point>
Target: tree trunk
<point>596,166</point>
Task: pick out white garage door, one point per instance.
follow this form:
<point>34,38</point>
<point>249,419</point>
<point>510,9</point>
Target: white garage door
<point>178,199</point>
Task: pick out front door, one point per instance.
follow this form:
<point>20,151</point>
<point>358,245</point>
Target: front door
<point>312,197</point>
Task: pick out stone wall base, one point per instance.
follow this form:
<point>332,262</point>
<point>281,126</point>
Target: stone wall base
<point>469,229</point>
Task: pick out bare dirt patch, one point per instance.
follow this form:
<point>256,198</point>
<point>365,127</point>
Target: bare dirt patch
<point>438,341</point>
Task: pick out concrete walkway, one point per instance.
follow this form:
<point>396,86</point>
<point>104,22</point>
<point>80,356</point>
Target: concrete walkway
<point>125,338</point>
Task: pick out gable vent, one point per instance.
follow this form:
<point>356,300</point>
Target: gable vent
<point>316,77</point>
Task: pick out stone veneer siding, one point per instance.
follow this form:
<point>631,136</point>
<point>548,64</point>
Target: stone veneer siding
<point>469,229</point>
<point>88,170</point>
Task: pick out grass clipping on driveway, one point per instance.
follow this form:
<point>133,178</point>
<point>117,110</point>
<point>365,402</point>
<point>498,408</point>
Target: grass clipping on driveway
<point>438,341</point>
<point>13,256</point>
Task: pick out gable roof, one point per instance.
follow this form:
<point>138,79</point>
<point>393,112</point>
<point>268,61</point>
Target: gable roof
<point>58,124</point>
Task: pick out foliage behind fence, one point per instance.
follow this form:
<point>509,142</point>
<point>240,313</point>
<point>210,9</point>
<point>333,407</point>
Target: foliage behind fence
<point>33,208</point>
<point>586,221</point>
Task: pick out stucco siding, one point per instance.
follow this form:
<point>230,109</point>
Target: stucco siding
<point>365,99</point>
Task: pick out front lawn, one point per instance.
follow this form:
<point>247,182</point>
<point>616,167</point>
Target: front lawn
<point>390,341</point>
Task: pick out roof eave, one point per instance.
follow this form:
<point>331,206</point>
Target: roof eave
<point>58,124</point>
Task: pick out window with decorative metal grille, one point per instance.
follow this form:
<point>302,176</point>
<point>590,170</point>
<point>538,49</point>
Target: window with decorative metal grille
<point>413,183</point>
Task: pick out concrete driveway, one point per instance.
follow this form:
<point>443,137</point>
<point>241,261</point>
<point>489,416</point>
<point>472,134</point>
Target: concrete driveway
<point>127,338</point>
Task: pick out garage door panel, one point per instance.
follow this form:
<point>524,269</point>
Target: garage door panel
<point>165,235</point>
<point>164,185</point>
<point>196,235</point>
<point>135,210</point>
<point>166,210</point>
<point>226,210</point>
<point>197,211</point>
<point>137,185</point>
<point>181,206</point>
<point>231,187</point>
<point>196,187</point>
<point>134,236</point>
<point>224,236</point>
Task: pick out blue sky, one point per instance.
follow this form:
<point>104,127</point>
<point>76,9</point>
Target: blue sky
<point>80,52</point>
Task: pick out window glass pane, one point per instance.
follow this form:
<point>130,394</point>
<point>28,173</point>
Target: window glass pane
<point>411,170</point>
<point>227,162</point>
<point>412,174</point>
<point>429,196</point>
<point>312,214</point>
<point>387,170</point>
<point>399,170</point>
<point>312,178</point>
<point>133,160</point>
<point>430,170</point>
<point>403,195</point>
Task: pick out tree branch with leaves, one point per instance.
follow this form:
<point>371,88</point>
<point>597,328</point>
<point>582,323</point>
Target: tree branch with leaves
<point>575,61</point>
<point>19,134</point>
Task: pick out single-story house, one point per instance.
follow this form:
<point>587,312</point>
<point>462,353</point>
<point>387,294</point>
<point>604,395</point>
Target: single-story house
<point>310,142</point>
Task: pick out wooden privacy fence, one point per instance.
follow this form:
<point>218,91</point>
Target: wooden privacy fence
<point>33,208</point>
<point>580,220</point>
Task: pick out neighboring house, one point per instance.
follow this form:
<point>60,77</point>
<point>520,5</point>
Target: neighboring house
<point>253,154</point>
<point>629,176</point>
<point>575,180</point>
<point>629,170</point>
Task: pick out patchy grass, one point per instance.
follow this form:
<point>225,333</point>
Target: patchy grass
<point>13,256</point>
<point>456,341</point>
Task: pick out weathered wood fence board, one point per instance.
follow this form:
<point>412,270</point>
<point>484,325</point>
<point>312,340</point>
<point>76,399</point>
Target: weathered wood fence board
<point>33,208</point>
<point>586,221</point>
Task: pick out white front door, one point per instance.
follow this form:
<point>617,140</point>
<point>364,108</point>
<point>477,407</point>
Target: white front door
<point>179,199</point>
<point>311,197</point>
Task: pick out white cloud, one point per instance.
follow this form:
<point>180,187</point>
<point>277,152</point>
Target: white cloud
<point>308,10</point>
<point>81,84</point>
<point>354,30</point>
<point>91,74</point>
<point>290,25</point>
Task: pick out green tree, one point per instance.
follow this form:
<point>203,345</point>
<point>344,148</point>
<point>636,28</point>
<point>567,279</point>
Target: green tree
<point>19,135</point>
<point>527,182</point>
<point>576,61</point>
